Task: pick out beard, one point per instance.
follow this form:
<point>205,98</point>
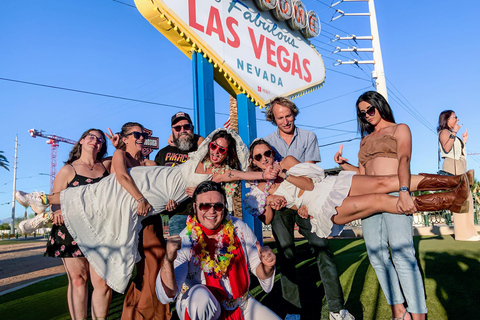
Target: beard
<point>184,142</point>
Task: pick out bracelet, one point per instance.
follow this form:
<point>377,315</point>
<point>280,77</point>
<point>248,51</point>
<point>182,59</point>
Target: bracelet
<point>286,175</point>
<point>263,175</point>
<point>142,199</point>
<point>452,136</point>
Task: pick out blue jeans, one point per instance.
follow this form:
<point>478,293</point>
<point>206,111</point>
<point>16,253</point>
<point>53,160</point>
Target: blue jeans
<point>176,224</point>
<point>395,230</point>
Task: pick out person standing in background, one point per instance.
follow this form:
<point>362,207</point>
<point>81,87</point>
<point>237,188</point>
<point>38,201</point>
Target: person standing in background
<point>452,150</point>
<point>386,149</point>
<point>303,145</point>
<point>184,141</point>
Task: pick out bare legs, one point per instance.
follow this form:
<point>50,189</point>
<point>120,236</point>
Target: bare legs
<point>78,271</point>
<point>362,184</point>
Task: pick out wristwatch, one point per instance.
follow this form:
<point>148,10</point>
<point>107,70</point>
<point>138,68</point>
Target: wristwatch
<point>404,189</point>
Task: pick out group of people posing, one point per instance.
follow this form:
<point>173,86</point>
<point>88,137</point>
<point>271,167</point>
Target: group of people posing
<point>106,216</point>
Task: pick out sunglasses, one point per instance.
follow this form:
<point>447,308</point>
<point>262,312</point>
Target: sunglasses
<point>454,117</point>
<point>217,206</point>
<point>370,111</point>
<point>267,154</point>
<point>137,134</point>
<point>214,147</point>
<point>91,137</point>
<point>186,127</point>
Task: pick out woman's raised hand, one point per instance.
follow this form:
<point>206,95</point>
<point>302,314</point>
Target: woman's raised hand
<point>465,136</point>
<point>338,156</point>
<point>114,138</point>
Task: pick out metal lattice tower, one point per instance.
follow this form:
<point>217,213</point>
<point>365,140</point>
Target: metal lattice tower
<point>53,141</point>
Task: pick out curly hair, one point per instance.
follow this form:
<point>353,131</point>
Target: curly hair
<point>284,102</point>
<point>76,151</point>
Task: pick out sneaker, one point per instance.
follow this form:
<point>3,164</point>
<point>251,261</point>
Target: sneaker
<point>39,221</point>
<point>341,315</point>
<point>34,200</point>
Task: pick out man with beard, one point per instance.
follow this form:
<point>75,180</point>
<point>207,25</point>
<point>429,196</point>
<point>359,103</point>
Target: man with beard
<point>184,141</point>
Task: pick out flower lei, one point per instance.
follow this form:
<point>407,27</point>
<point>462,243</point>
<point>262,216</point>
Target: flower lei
<point>223,249</point>
<point>256,206</point>
<point>229,186</point>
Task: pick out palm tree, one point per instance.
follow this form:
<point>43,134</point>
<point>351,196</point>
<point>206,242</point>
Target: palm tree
<point>237,198</point>
<point>3,161</point>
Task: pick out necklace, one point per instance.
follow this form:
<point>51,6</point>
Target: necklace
<point>87,165</point>
<point>223,248</point>
<point>229,186</point>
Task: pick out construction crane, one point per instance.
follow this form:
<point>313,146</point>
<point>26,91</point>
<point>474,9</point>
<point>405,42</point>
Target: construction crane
<point>53,141</point>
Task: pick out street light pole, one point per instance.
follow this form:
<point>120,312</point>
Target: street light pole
<point>12,226</point>
<point>378,73</point>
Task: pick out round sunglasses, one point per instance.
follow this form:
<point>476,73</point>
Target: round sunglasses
<point>214,146</point>
<point>205,206</point>
<point>259,156</point>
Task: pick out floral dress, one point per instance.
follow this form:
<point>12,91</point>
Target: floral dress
<point>60,243</point>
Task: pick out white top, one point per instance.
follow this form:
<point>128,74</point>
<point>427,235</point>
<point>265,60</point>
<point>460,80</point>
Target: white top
<point>327,194</point>
<point>186,272</point>
<point>456,153</point>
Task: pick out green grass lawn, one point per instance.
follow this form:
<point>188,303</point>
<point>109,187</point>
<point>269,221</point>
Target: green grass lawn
<point>451,273</point>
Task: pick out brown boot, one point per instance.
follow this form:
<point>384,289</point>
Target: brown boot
<point>455,200</point>
<point>432,182</point>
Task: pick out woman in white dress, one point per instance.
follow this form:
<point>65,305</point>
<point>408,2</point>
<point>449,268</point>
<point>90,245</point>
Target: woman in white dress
<point>340,199</point>
<point>103,218</point>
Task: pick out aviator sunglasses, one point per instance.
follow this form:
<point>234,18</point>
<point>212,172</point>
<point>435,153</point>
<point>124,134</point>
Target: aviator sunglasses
<point>267,154</point>
<point>214,147</point>
<point>186,127</point>
<point>205,206</point>
<point>370,111</point>
<point>137,134</point>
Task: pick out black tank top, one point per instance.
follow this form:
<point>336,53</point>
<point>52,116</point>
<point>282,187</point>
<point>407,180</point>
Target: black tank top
<point>79,180</point>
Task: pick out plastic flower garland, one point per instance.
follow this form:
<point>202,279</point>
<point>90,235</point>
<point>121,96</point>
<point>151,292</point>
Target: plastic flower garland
<point>229,186</point>
<point>224,246</point>
<point>256,204</point>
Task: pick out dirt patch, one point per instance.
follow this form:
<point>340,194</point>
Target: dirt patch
<point>23,262</point>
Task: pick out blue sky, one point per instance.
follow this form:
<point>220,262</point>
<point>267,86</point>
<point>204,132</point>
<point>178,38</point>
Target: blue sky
<point>107,47</point>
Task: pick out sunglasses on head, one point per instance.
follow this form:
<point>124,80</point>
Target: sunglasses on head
<point>186,127</point>
<point>370,111</point>
<point>137,134</point>
<point>90,137</point>
<point>205,206</point>
<point>214,147</point>
<point>267,154</point>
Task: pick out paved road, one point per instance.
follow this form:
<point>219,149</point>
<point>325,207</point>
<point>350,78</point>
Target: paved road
<point>23,262</point>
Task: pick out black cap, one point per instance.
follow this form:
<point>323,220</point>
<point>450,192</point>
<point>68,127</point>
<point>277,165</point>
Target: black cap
<point>180,116</point>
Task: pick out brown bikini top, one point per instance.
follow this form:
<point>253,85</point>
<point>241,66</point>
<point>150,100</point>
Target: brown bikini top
<point>375,146</point>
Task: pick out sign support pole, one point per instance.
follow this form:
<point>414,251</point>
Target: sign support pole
<point>203,97</point>
<point>247,129</point>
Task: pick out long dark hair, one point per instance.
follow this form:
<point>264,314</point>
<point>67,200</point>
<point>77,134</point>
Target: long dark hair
<point>255,143</point>
<point>232,157</point>
<point>77,148</point>
<point>123,133</point>
<point>443,120</point>
<point>377,101</point>
<point>207,186</point>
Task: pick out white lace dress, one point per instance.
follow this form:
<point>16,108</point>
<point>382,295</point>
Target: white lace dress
<point>327,194</point>
<point>102,217</point>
